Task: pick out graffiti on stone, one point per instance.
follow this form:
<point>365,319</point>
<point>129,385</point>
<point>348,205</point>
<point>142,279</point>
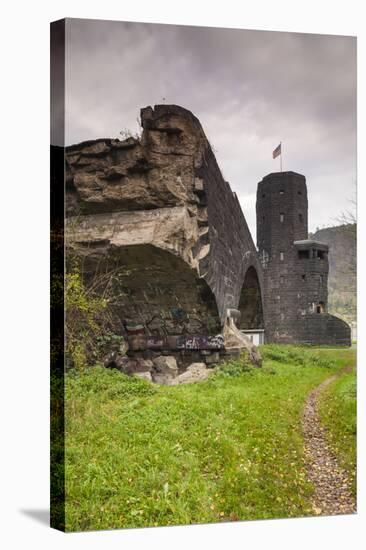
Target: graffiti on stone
<point>216,342</point>
<point>200,342</point>
<point>178,342</point>
<point>155,342</point>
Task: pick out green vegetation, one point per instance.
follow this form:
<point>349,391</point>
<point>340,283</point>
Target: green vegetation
<point>338,410</point>
<point>82,313</point>
<point>229,448</point>
<point>89,326</point>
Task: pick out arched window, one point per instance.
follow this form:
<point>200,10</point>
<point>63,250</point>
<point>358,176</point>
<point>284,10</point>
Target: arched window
<point>319,307</point>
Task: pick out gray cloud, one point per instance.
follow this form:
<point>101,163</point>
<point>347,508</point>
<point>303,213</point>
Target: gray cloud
<point>250,89</point>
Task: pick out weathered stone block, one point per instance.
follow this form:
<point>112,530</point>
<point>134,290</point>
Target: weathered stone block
<point>198,185</point>
<point>165,364</point>
<point>164,370</point>
<point>212,358</point>
<point>194,373</point>
<point>143,365</point>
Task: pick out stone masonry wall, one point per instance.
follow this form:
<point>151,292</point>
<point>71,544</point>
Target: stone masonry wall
<point>157,213</point>
<point>295,286</point>
<point>154,218</point>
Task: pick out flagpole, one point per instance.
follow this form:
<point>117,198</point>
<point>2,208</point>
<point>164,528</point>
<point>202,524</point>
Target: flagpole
<point>281,155</point>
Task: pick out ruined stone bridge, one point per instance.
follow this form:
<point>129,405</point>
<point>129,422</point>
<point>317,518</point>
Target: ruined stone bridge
<point>160,230</point>
<point>158,211</point>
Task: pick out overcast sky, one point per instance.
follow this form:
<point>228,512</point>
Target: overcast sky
<point>250,90</point>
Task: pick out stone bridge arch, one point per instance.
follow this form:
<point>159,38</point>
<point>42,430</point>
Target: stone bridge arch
<point>154,291</point>
<point>251,301</point>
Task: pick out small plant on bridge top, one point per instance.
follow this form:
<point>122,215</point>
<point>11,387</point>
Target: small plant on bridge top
<point>126,133</point>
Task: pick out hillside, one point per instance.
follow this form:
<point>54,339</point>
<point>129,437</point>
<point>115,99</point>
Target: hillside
<point>342,269</point>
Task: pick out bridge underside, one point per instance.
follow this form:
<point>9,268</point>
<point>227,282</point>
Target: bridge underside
<point>153,292</point>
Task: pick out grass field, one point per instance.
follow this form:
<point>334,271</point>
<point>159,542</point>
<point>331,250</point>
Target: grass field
<point>229,448</point>
<point>338,413</point>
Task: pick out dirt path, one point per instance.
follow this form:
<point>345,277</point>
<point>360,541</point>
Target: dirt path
<point>332,493</point>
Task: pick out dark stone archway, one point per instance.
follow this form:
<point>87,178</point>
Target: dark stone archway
<point>250,302</point>
<point>153,289</point>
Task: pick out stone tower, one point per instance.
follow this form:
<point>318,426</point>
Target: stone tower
<point>295,268</point>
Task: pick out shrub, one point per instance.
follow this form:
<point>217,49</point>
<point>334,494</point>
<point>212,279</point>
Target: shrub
<point>89,327</point>
<point>234,367</point>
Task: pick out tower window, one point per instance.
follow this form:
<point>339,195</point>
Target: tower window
<point>263,196</point>
<point>282,192</point>
<point>282,217</point>
<point>318,307</point>
<point>282,279</point>
<point>299,193</point>
<point>304,254</point>
<point>301,218</point>
<point>263,218</point>
<point>264,256</point>
<point>320,254</point>
<point>282,256</point>
<point>303,277</point>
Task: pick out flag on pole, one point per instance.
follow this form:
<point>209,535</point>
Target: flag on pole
<point>277,151</point>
